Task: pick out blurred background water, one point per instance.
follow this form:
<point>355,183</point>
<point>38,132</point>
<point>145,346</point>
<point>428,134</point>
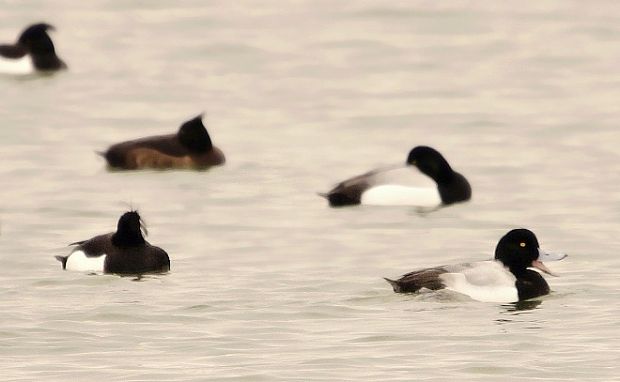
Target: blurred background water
<point>267,282</point>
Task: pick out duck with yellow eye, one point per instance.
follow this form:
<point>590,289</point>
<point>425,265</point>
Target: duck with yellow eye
<point>506,278</point>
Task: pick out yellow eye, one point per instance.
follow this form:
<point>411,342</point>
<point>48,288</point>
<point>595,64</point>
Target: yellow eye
<point>522,244</point>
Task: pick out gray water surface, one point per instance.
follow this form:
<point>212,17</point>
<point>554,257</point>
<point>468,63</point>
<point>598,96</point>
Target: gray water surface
<point>267,282</point>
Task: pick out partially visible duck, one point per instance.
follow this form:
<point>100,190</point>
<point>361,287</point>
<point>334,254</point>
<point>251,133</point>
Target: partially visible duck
<point>124,251</point>
<point>370,189</point>
<point>34,51</point>
<point>507,278</point>
<point>189,148</point>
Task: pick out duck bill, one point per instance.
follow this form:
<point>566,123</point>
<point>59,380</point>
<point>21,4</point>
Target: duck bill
<point>546,256</point>
<point>549,256</point>
<point>539,265</point>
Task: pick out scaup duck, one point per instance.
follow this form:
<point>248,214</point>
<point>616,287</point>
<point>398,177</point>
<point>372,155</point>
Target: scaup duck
<point>123,252</point>
<point>189,148</point>
<point>507,278</point>
<point>33,51</point>
<point>451,186</point>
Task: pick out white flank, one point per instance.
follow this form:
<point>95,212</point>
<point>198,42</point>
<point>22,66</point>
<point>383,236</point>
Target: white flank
<point>487,281</point>
<point>78,261</point>
<point>16,66</point>
<point>397,195</point>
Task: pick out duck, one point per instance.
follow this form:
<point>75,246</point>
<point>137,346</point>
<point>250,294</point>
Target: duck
<point>33,52</point>
<point>370,188</point>
<point>189,148</point>
<point>122,252</point>
<point>506,278</point>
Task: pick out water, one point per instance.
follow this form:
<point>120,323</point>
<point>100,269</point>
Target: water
<point>267,283</point>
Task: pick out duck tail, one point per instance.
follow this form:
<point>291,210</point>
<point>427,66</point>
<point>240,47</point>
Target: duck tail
<point>63,260</point>
<point>394,284</point>
<point>323,195</point>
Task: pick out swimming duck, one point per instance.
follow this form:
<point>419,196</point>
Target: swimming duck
<point>123,252</point>
<point>34,51</point>
<point>189,148</point>
<point>450,186</point>
<point>507,278</point>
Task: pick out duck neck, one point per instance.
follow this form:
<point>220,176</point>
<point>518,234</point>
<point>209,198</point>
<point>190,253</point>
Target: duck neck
<point>445,177</point>
<point>518,271</point>
<point>440,172</point>
<point>127,239</point>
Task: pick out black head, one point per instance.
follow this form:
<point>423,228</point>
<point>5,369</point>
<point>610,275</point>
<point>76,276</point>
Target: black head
<point>518,250</point>
<point>36,39</point>
<point>129,230</point>
<point>430,162</point>
<point>194,136</point>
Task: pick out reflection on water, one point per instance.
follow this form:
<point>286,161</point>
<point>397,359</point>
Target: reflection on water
<point>522,305</point>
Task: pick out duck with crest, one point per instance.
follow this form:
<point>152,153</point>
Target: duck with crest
<point>33,52</point>
<point>122,252</point>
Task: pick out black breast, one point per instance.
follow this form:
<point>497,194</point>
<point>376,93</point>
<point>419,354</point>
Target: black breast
<point>137,260</point>
<point>531,284</point>
<point>457,189</point>
<point>47,62</point>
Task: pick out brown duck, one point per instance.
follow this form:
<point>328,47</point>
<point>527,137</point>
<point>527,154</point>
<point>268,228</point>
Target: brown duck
<point>189,148</point>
